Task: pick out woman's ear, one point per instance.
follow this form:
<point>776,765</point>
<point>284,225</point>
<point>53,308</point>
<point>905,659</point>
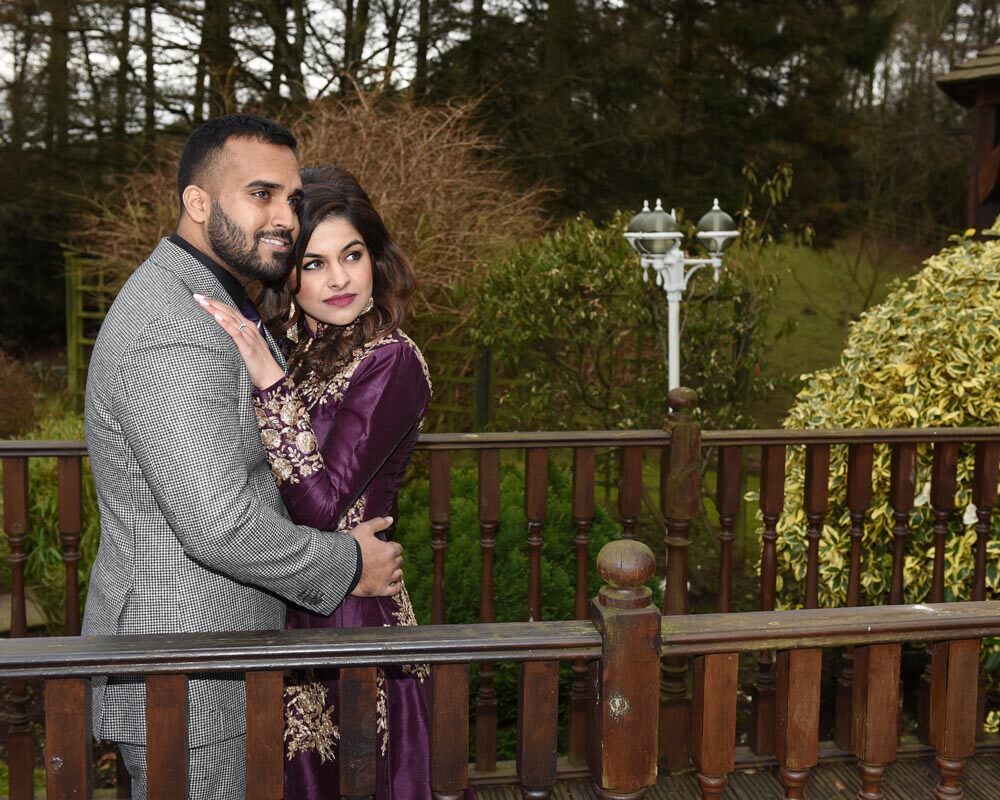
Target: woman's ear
<point>197,203</point>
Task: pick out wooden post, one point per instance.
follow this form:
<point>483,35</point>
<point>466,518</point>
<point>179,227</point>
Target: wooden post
<point>68,771</point>
<point>440,511</point>
<point>20,744</point>
<point>265,735</point>
<point>875,708</point>
<point>70,526</point>
<point>713,730</point>
<point>952,717</point>
<point>816,502</point>
<point>797,717</point>
<point>984,497</point>
<point>680,497</point>
<point>902,486</point>
<point>537,728</point>
<point>167,737</point>
<point>486,696</point>
<point>450,731</point>
<point>727,502</point>
<point>623,751</point>
<point>536,486</point>
<point>358,731</point>
<point>944,471</point>
<point>772,502</point>
<point>629,489</point>
<point>859,497</point>
<point>584,463</point>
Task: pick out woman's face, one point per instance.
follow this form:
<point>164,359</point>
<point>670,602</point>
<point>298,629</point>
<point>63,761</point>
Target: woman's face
<point>336,282</point>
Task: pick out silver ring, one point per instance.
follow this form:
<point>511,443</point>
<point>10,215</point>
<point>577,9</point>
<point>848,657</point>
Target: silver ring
<point>242,326</point>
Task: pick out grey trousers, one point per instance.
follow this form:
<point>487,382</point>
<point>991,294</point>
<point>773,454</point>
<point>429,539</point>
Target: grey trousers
<point>215,771</point>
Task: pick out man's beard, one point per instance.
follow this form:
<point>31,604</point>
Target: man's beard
<point>229,242</point>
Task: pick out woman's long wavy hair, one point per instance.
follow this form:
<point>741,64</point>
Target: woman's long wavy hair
<point>333,193</point>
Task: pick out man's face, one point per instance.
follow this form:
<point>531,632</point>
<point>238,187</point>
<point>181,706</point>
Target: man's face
<point>255,193</point>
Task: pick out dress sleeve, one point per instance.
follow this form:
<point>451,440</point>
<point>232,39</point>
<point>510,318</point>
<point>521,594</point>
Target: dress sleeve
<point>386,398</point>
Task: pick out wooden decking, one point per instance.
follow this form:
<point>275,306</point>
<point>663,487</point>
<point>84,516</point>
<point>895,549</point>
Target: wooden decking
<point>906,779</point>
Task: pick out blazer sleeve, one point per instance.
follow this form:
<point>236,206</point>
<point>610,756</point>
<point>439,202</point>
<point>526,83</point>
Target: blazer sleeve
<point>178,399</point>
<point>384,401</point>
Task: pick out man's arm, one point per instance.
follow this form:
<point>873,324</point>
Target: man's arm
<point>178,395</point>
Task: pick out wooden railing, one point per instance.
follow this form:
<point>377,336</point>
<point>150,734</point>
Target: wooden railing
<point>622,645</point>
<point>681,451</point>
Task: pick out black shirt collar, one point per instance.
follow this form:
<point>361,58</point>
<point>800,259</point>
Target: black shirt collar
<point>229,282</point>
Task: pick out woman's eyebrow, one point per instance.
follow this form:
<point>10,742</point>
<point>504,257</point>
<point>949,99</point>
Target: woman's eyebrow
<point>351,244</point>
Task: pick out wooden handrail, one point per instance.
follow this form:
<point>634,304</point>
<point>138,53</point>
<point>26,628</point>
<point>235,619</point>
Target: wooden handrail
<point>701,634</point>
<point>616,438</point>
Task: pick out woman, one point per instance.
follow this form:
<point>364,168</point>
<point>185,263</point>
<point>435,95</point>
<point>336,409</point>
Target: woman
<point>339,430</point>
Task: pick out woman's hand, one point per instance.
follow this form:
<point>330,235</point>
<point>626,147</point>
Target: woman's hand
<point>261,366</point>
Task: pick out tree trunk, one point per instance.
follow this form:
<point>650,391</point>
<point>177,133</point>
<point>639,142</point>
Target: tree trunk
<point>217,49</point>
<point>57,85</point>
<point>149,93</point>
<point>557,64</point>
<point>423,44</point>
<point>121,81</point>
<point>355,35</point>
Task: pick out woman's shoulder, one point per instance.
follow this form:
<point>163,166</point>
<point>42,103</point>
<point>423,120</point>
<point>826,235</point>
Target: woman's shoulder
<point>394,349</point>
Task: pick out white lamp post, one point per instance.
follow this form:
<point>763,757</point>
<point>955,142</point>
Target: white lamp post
<point>654,236</point>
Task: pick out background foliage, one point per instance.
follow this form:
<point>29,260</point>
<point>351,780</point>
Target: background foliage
<point>927,356</point>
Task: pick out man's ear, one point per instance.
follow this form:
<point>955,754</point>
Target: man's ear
<point>197,203</point>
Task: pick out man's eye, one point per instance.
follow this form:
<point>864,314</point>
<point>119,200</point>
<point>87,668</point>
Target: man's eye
<point>294,202</point>
<point>263,194</point>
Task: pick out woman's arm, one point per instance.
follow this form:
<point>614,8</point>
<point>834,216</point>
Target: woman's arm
<point>386,398</point>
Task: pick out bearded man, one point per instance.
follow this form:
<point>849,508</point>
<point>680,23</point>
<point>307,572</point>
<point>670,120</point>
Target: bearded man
<point>193,533</point>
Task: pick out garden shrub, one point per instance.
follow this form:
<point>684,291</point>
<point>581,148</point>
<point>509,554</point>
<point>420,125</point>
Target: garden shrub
<point>928,356</point>
<point>462,563</point>
<point>17,398</point>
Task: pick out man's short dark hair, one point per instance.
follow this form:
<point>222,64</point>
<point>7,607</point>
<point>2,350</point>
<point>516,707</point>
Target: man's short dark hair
<point>205,143</point>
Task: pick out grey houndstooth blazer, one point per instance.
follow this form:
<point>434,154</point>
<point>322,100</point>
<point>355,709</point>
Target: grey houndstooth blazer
<point>194,536</point>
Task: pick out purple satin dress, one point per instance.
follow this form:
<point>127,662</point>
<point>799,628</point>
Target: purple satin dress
<point>338,449</point>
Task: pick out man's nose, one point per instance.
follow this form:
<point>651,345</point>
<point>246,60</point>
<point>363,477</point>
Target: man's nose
<point>283,216</point>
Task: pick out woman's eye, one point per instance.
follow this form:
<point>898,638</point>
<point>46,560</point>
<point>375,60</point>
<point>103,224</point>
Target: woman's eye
<point>310,265</point>
<point>354,255</point>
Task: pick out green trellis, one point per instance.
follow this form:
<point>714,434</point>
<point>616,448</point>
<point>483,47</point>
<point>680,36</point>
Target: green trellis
<point>88,295</point>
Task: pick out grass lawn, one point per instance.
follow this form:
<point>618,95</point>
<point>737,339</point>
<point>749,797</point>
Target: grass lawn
<point>820,292</point>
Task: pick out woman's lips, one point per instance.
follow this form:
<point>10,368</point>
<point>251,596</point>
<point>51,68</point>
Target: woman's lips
<point>340,300</point>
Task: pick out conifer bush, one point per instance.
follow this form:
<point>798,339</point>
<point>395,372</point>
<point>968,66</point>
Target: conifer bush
<point>929,356</point>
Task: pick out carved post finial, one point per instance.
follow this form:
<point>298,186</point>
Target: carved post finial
<point>682,399</point>
<point>625,566</point>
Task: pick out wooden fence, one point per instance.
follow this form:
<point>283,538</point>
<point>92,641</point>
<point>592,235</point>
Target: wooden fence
<point>681,449</point>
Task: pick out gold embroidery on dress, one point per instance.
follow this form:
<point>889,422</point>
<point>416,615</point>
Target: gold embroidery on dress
<point>382,710</point>
<point>287,434</point>
<point>308,720</point>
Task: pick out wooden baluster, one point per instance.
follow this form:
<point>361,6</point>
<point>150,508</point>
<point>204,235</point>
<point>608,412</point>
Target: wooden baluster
<point>876,714</point>
<point>358,731</point>
<point>902,486</point>
<point>68,771</point>
<point>486,696</point>
<point>680,498</point>
<point>536,485</point>
<point>450,731</point>
<point>20,746</point>
<point>984,498</point>
<point>629,489</point>
<point>440,520</point>
<point>860,458</point>
<point>623,737</point>
<point>167,737</point>
<point>816,502</point>
<point>797,717</point>
<point>713,732</point>
<point>727,502</point>
<point>537,728</point>
<point>584,461</point>
<point>70,526</point>
<point>944,469</point>
<point>952,717</point>
<point>772,502</point>
<point>265,734</point>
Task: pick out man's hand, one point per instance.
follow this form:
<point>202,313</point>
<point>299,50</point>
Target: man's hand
<point>381,562</point>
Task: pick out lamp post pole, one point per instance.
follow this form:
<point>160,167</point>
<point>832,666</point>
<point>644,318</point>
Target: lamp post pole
<point>654,236</point>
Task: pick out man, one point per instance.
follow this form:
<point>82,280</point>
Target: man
<point>193,533</point>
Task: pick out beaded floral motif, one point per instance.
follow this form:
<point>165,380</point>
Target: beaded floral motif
<point>287,435</point>
<point>309,721</point>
